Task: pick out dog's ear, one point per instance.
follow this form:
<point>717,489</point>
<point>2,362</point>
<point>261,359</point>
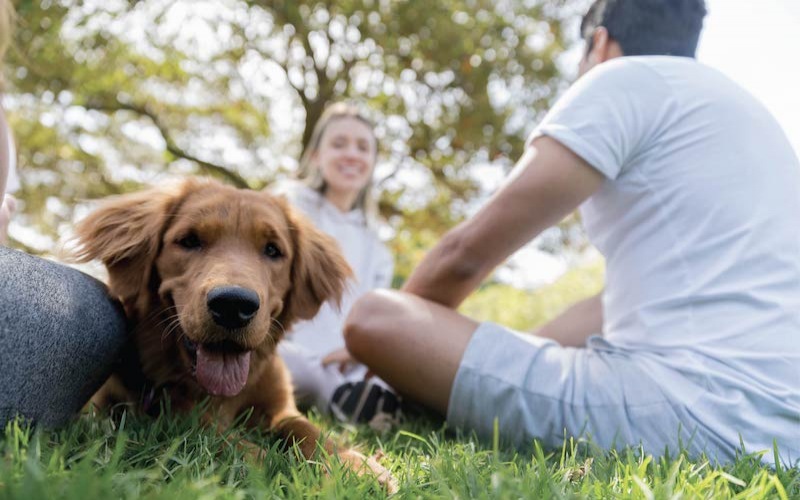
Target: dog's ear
<point>319,271</point>
<point>125,234</point>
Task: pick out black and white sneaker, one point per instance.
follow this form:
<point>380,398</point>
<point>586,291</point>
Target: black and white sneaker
<point>366,402</point>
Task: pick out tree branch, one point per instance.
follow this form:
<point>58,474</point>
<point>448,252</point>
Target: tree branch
<point>171,145</point>
<point>397,167</point>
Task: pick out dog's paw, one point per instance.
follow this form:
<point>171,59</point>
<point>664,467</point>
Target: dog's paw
<point>362,464</point>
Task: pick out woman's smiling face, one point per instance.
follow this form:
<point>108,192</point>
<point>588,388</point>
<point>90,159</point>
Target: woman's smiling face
<point>346,156</point>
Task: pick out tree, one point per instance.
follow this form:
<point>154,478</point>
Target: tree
<point>107,95</point>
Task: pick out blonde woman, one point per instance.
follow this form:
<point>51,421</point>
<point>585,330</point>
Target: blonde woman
<point>334,191</point>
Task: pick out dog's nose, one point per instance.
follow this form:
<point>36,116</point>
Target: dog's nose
<point>232,306</point>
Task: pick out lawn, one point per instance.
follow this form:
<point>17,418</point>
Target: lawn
<point>174,457</point>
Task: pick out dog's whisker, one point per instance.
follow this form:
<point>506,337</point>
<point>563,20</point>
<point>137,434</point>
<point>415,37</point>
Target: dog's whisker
<point>275,321</point>
<point>168,324</point>
<point>148,321</point>
<point>170,321</point>
<point>167,321</point>
<point>276,330</point>
<point>174,326</point>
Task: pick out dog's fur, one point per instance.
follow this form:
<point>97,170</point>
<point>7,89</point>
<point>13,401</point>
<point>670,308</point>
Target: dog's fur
<point>165,250</point>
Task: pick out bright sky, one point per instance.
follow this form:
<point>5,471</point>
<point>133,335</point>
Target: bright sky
<point>757,43</point>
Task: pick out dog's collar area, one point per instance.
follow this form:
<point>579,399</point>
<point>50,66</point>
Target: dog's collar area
<point>148,399</point>
<point>174,395</point>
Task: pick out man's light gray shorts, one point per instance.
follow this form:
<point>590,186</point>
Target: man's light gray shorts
<point>537,389</point>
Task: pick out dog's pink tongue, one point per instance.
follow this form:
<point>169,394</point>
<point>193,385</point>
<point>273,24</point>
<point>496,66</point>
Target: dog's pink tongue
<point>222,373</point>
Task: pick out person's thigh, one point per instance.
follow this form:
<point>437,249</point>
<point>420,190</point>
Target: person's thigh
<point>413,344</point>
<point>60,334</point>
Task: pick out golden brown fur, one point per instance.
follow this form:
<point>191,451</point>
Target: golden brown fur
<point>166,250</point>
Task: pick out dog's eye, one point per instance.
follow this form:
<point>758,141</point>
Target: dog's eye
<point>190,242</point>
<point>272,251</point>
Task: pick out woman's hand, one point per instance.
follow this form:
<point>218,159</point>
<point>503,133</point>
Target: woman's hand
<point>342,357</point>
<point>345,360</point>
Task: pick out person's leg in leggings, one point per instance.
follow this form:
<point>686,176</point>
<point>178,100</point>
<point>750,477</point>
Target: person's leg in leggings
<point>60,334</point>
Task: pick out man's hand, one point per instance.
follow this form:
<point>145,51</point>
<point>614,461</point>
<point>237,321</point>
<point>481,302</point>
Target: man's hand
<point>7,209</point>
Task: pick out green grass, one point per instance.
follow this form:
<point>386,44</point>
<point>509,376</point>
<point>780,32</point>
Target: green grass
<point>174,457</point>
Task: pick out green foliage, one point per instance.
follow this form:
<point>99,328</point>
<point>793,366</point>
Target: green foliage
<point>174,457</point>
<point>523,310</point>
<point>107,96</point>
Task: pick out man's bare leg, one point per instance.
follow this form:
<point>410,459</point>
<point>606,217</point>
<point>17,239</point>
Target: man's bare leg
<point>413,344</point>
<point>574,326</point>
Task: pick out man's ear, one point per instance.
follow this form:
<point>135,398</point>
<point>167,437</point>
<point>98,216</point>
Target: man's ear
<point>319,271</point>
<point>125,234</point>
<point>601,48</point>
<point>604,47</point>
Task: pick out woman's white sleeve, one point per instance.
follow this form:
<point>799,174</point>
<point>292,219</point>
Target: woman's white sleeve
<point>384,269</point>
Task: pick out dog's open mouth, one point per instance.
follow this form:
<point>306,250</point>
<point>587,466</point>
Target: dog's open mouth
<point>220,368</point>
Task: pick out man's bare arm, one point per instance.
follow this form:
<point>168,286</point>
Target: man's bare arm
<point>548,183</point>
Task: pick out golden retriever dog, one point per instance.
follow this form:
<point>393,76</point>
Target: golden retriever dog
<point>210,278</point>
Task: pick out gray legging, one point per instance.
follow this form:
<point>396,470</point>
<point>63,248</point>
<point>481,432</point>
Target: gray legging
<point>59,337</point>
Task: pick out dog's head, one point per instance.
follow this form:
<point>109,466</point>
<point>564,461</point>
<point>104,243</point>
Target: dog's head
<point>219,273</point>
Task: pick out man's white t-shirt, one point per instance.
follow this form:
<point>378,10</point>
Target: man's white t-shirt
<point>698,223</point>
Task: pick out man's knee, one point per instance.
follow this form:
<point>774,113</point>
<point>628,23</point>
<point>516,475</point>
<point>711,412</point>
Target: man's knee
<point>368,320</point>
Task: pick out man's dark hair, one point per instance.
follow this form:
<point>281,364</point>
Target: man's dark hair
<point>648,27</point>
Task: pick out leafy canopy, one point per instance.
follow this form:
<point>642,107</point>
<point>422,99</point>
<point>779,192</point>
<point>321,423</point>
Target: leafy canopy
<point>106,96</point>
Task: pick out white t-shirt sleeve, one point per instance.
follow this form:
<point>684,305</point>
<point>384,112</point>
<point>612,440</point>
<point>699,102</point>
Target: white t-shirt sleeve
<point>608,115</point>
